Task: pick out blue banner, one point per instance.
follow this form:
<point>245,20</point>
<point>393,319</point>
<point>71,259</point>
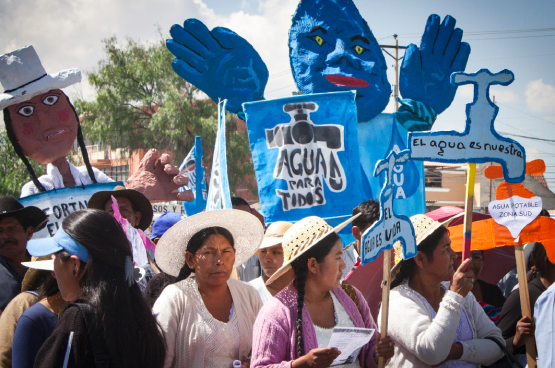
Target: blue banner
<point>59,203</point>
<point>197,179</point>
<point>377,138</point>
<point>218,191</point>
<point>306,156</point>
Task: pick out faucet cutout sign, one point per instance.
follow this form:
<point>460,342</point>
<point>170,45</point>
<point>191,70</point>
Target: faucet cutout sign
<point>390,227</point>
<point>479,142</point>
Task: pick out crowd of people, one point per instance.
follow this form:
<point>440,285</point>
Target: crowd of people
<point>221,290</point>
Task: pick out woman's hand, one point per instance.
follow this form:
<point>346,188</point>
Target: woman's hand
<point>524,328</point>
<point>385,347</point>
<point>463,280</point>
<point>319,358</point>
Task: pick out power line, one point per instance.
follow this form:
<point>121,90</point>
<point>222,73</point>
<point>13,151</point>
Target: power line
<point>523,136</point>
<point>279,89</point>
<point>476,33</point>
<point>512,57</point>
<point>547,121</point>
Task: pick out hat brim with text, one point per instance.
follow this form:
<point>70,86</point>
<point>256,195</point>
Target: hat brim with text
<point>246,230</point>
<point>303,236</point>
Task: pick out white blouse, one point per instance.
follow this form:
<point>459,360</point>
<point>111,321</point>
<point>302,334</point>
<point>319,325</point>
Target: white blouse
<point>258,284</point>
<point>53,179</point>
<point>323,335</point>
<point>190,330</point>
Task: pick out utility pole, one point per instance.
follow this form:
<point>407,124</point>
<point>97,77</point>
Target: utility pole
<point>396,66</point>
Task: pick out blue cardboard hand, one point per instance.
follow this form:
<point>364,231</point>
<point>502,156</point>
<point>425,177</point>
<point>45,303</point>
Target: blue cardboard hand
<point>425,72</point>
<point>219,62</point>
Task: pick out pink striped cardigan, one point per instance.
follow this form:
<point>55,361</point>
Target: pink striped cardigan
<point>274,337</point>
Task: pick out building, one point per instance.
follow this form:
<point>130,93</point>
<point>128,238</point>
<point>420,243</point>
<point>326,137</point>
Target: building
<point>445,185</point>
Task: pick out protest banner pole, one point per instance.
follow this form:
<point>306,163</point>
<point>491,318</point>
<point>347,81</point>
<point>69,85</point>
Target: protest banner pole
<point>525,303</point>
<point>385,298</point>
<point>468,207</point>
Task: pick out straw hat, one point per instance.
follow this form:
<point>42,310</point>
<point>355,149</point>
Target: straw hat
<point>301,237</point>
<point>424,226</point>
<point>246,229</point>
<point>23,77</point>
<point>274,234</point>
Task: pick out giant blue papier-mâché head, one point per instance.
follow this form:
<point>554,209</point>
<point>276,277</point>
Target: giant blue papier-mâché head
<point>331,48</point>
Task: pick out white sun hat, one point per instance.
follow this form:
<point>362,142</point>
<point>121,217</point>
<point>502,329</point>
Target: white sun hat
<point>23,77</point>
<point>301,237</point>
<point>274,234</point>
<point>246,230</point>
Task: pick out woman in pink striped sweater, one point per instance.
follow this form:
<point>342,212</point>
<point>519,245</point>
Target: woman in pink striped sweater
<point>293,329</point>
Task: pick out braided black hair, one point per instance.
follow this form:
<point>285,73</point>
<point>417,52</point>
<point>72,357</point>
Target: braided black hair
<point>300,267</point>
<point>82,146</point>
<point>19,151</point>
<point>196,242</point>
<point>408,267</point>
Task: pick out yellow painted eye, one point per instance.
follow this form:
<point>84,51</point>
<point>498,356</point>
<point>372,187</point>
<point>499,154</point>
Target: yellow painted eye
<point>319,40</point>
<point>359,49</point>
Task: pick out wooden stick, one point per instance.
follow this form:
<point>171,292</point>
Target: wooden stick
<point>385,298</point>
<point>525,304</point>
<point>468,207</point>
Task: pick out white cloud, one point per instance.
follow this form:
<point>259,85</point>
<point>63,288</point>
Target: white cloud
<point>68,34</point>
<point>503,95</point>
<point>540,97</point>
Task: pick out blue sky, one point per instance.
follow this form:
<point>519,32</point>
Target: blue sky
<point>502,35</point>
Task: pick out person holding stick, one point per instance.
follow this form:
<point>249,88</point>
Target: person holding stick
<point>432,322</point>
<point>293,329</point>
<point>514,327</point>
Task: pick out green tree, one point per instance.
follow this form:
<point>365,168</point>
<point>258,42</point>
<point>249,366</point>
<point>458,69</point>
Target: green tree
<point>142,103</point>
<point>15,174</point>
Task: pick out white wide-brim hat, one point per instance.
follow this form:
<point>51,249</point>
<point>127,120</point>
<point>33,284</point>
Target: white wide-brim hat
<point>23,77</point>
<point>47,265</point>
<point>274,234</point>
<point>246,230</point>
<point>301,237</point>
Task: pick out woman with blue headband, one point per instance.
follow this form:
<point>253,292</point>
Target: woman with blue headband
<point>108,322</point>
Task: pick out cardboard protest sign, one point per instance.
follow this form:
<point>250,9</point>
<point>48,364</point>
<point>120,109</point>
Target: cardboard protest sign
<point>59,203</point>
<point>193,167</point>
<point>391,227</point>
<point>479,142</point>
<point>306,155</point>
<point>515,212</point>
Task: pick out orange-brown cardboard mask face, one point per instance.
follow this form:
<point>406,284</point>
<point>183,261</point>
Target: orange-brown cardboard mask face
<point>45,126</point>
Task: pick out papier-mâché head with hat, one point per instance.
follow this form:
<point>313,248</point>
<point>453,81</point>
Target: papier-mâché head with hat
<point>41,122</point>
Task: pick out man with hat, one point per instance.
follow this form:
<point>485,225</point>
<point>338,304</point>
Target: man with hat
<point>136,209</point>
<point>17,225</point>
<point>133,205</point>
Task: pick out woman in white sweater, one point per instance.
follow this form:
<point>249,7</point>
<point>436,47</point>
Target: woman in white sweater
<point>432,321</point>
<point>206,317</point>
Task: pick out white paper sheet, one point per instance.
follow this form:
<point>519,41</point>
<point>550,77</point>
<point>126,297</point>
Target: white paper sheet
<point>349,341</point>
